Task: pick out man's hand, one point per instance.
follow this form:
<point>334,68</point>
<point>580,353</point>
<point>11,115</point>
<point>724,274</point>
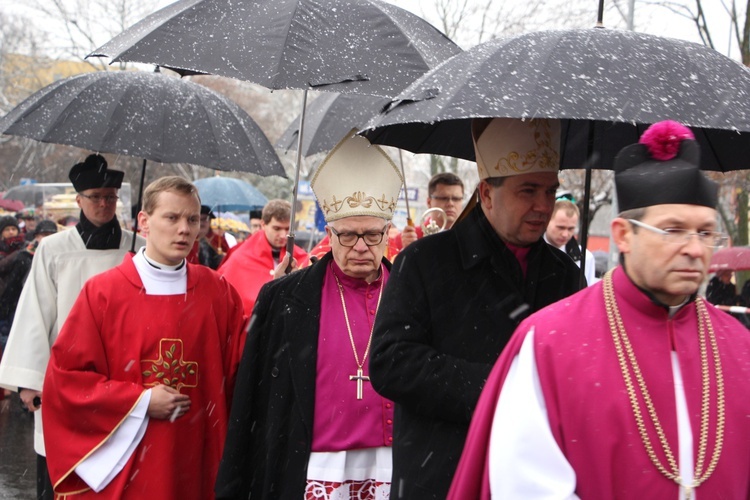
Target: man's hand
<point>408,236</point>
<point>167,403</point>
<point>27,397</point>
<point>281,268</point>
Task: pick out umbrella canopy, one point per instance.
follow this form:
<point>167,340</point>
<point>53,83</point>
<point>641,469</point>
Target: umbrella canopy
<point>148,115</point>
<point>32,194</point>
<point>730,258</point>
<point>606,85</point>
<point>11,205</point>
<point>329,118</point>
<point>364,46</point>
<point>227,193</point>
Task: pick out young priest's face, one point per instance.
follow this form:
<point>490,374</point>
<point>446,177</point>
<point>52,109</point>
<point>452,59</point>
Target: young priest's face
<point>172,227</point>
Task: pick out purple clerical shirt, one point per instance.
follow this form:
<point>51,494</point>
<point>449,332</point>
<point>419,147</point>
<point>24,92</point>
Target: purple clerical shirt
<point>343,422</point>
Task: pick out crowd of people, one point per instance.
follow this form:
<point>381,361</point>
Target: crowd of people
<point>477,362</point>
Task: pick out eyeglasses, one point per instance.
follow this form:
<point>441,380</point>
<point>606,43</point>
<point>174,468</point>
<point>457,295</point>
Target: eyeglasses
<point>98,198</point>
<point>350,239</point>
<point>712,239</point>
<point>445,199</point>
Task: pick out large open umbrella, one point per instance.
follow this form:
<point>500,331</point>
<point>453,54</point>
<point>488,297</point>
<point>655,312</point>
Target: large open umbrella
<point>363,46</point>
<point>605,85</point>
<point>148,115</point>
<point>228,193</point>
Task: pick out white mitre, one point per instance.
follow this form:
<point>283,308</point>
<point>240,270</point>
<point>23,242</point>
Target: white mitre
<point>357,178</point>
<point>511,146</point>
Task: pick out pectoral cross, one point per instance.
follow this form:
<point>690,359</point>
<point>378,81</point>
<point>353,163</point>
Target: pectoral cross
<point>359,377</point>
<point>688,492</point>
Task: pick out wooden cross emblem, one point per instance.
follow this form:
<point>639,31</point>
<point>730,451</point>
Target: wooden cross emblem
<point>169,368</point>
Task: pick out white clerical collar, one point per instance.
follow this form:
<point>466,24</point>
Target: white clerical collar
<point>674,309</point>
<point>160,279</point>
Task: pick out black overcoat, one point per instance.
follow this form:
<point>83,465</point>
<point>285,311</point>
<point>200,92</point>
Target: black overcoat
<point>269,438</point>
<point>450,305</point>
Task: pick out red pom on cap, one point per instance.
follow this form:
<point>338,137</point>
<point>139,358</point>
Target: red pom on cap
<point>663,139</point>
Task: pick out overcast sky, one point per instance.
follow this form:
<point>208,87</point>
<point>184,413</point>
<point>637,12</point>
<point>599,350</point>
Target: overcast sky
<point>649,19</point>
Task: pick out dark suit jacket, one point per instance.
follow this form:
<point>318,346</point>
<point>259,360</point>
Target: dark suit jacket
<point>270,426</point>
<point>451,304</point>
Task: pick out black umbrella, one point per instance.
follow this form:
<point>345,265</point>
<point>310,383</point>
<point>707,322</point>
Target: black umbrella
<point>616,82</point>
<point>606,85</point>
<point>148,115</point>
<point>328,118</point>
<point>363,46</point>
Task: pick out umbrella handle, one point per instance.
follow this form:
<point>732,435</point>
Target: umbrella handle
<point>289,252</point>
<point>140,201</point>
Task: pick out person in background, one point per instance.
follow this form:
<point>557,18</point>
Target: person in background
<point>256,221</point>
<point>62,264</point>
<point>444,191</point>
<point>253,263</point>
<point>146,418</point>
<point>218,241</point>
<point>455,298</point>
<point>305,421</point>
<point>11,244</point>
<point>560,234</point>
<point>19,269</point>
<point>635,387</point>
<point>721,290</point>
<point>29,221</point>
<point>202,252</point>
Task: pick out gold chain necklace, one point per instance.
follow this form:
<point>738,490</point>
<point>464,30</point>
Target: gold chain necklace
<point>625,355</point>
<point>360,377</point>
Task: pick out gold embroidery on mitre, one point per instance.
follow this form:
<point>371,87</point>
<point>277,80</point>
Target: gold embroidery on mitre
<point>543,157</point>
<point>170,368</point>
<point>359,199</point>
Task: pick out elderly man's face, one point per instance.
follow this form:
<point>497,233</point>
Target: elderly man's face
<point>520,209</point>
<point>671,270</point>
<point>359,261</point>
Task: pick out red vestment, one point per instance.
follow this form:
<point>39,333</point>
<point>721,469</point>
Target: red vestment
<point>117,342</point>
<point>396,244</point>
<point>251,266</point>
<point>587,406</point>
